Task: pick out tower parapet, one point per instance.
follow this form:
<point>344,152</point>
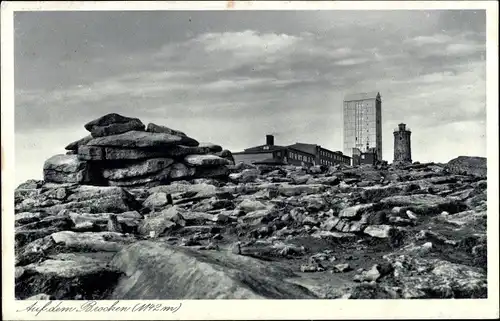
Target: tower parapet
<point>402,144</point>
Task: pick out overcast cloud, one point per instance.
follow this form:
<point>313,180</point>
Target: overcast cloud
<point>232,77</point>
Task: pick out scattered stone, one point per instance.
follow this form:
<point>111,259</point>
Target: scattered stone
<point>379,231</point>
<point>311,268</point>
<point>333,235</point>
<point>40,297</point>
<point>113,225</point>
<point>411,215</point>
<point>371,275</point>
<point>236,248</point>
<point>248,205</point>
<point>340,268</point>
<point>354,212</point>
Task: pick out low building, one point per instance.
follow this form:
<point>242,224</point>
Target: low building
<point>364,158</point>
<point>297,154</point>
<point>323,156</point>
<point>270,153</point>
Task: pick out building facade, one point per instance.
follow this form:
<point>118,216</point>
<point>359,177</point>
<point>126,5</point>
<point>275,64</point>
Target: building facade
<point>299,154</point>
<point>362,118</point>
<point>274,154</point>
<point>364,158</point>
<point>402,144</point>
<point>323,156</point>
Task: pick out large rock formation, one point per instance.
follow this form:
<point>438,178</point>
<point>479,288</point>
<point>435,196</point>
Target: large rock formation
<point>155,270</point>
<point>467,165</point>
<point>121,151</point>
<point>177,222</point>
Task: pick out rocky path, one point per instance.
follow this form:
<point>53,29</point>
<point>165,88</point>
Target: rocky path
<point>261,232</point>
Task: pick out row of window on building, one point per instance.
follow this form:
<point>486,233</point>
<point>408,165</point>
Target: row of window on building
<point>300,157</point>
<point>326,162</point>
<point>330,155</point>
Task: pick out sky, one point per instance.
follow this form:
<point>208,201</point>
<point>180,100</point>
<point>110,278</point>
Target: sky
<point>230,77</point>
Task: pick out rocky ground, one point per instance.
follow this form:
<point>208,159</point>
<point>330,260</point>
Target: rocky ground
<point>417,231</point>
<point>147,212</point>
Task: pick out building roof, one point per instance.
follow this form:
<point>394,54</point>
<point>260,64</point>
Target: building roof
<point>311,148</point>
<point>260,148</point>
<point>306,148</point>
<point>362,96</point>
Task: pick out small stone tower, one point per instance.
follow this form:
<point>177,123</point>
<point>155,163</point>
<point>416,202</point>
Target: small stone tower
<point>402,144</point>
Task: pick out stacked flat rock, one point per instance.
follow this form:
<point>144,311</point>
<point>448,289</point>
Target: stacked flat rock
<point>122,151</point>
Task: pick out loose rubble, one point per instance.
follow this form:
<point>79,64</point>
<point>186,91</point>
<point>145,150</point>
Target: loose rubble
<point>128,214</point>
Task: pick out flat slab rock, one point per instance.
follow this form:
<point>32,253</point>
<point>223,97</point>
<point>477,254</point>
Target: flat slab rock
<point>426,202</point>
<point>67,276</point>
<point>81,142</point>
<point>86,152</point>
<point>66,169</point>
<point>153,128</point>
<point>102,218</point>
<point>211,172</point>
<point>140,139</point>
<point>155,270</point>
<point>64,163</point>
<point>205,160</point>
<point>79,177</point>
<point>214,148</point>
<point>142,168</point>
<point>355,211</point>
<point>181,171</point>
<point>293,190</point>
<point>117,128</point>
<point>113,124</point>
<point>202,189</point>
<point>96,199</point>
<point>99,153</point>
<point>108,119</point>
<point>467,165</point>
<point>92,241</point>
<point>333,235</point>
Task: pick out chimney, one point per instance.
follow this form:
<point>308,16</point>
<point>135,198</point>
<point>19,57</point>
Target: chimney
<point>269,140</point>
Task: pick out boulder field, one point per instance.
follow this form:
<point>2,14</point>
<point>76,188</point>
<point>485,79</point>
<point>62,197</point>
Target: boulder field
<point>95,228</point>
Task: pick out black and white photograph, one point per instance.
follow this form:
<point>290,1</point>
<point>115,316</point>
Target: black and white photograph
<point>257,154</point>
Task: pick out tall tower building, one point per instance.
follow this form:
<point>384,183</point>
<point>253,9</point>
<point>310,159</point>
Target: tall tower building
<point>402,144</point>
<point>363,123</point>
